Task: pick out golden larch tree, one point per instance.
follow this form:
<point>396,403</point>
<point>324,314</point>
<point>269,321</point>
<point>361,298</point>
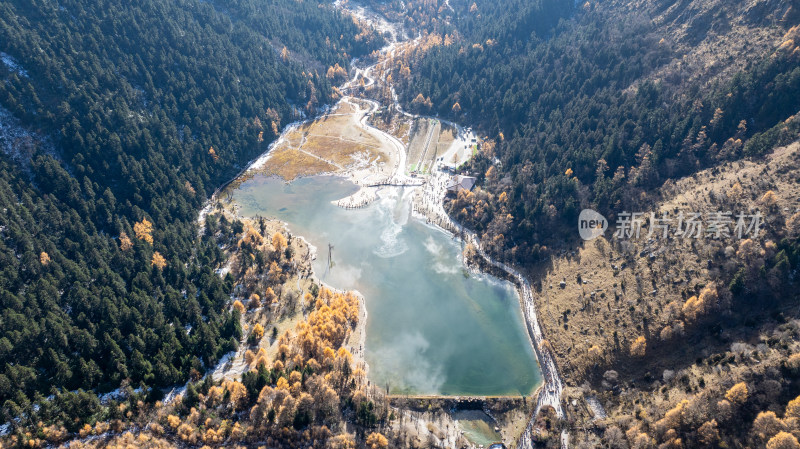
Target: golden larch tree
<point>736,191</point>
<point>767,424</point>
<point>279,242</point>
<point>237,305</point>
<point>144,230</point>
<point>639,346</point>
<point>709,433</point>
<point>249,357</point>
<point>258,332</point>
<point>738,393</point>
<point>158,261</point>
<point>125,242</point>
<point>718,114</point>
<point>769,199</point>
<point>793,408</point>
<point>343,441</point>
<point>270,296</point>
<point>173,421</point>
<point>674,416</point>
<point>783,440</point>
<point>237,394</point>
<point>376,440</point>
<point>595,354</point>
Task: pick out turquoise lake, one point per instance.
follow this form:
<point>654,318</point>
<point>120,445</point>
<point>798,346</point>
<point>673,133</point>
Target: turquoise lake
<point>432,327</point>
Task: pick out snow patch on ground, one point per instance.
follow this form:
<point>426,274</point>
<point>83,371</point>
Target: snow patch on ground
<point>117,394</point>
<point>111,395</point>
<point>12,64</point>
<point>19,143</point>
<point>232,365</point>
<point>597,409</point>
<point>174,393</point>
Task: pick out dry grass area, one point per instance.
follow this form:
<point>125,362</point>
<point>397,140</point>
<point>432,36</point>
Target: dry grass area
<point>344,107</point>
<point>289,164</point>
<point>615,292</point>
<point>592,306</point>
<point>596,301</point>
<point>342,151</point>
<point>332,143</point>
<point>512,422</point>
<point>294,138</point>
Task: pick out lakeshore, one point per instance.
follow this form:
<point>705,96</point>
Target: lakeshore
<point>375,171</point>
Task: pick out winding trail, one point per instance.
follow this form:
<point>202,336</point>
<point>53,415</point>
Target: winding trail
<point>429,204</point>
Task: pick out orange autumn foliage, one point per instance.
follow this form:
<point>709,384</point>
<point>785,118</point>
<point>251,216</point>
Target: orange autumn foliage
<point>158,261</point>
<point>125,241</point>
<point>639,346</point>
<point>258,332</point>
<point>144,230</point>
<point>738,393</point>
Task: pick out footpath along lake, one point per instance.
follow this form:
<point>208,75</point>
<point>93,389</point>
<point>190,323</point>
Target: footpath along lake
<point>432,327</point>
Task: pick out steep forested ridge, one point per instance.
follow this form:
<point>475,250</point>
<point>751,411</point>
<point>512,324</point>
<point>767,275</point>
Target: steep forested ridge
<point>586,112</point>
<point>135,113</point>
